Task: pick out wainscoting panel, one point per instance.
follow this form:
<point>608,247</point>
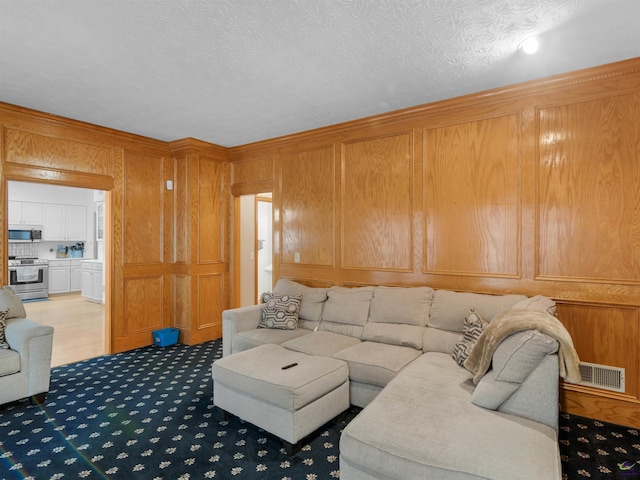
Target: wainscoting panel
<point>307,207</point>
<point>211,303</point>
<point>27,148</point>
<point>472,198</point>
<point>377,203</point>
<point>253,176</point>
<point>589,170</point>
<point>211,210</point>
<point>142,306</point>
<point>143,206</point>
<point>182,311</point>
<point>606,335</point>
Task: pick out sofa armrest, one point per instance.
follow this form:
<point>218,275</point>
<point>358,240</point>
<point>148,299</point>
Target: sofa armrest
<point>538,396</point>
<point>238,320</point>
<point>34,343</point>
<point>523,379</point>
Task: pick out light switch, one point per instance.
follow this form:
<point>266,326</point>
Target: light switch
<point>296,257</point>
<point>169,184</point>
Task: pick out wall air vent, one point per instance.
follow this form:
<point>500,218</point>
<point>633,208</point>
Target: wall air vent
<point>602,376</point>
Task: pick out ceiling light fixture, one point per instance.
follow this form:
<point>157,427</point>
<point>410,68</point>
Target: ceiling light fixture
<point>529,45</point>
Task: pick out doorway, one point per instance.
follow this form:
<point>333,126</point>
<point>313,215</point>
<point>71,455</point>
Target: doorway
<point>264,245</point>
<point>72,223</point>
<point>254,230</point>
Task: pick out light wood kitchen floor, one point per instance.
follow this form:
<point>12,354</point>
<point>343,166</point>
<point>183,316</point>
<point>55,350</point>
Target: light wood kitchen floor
<point>78,326</point>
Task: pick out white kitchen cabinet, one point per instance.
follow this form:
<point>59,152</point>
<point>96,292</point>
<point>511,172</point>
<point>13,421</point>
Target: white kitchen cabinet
<point>65,276</point>
<point>59,276</point>
<point>76,275</point>
<point>92,284</point>
<point>87,283</point>
<point>54,222</point>
<point>25,213</point>
<point>77,223</point>
<point>64,223</point>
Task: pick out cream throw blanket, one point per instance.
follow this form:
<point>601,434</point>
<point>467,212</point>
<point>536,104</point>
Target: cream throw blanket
<point>516,320</point>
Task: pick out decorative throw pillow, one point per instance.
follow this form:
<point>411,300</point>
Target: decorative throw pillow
<point>3,325</point>
<point>280,311</point>
<point>473,327</point>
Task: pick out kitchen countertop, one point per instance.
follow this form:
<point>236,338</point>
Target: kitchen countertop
<point>65,259</point>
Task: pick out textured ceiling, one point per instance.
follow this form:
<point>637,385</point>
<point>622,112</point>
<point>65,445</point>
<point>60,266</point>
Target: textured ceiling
<point>233,72</point>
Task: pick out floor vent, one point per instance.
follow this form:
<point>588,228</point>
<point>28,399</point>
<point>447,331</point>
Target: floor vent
<point>602,376</point>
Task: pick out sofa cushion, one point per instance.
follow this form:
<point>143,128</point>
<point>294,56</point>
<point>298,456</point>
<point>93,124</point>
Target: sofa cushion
<point>321,343</point>
<point>10,302</point>
<point>436,340</point>
<point>280,311</point>
<point>9,362</point>
<point>354,331</point>
<point>474,325</point>
<point>449,309</point>
<point>255,337</point>
<point>3,326</point>
<point>313,299</point>
<point>346,310</point>
<point>376,363</point>
<point>348,305</point>
<point>394,334</point>
<point>401,305</point>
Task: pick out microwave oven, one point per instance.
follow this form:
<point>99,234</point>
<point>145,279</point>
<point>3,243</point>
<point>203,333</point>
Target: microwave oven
<point>24,235</point>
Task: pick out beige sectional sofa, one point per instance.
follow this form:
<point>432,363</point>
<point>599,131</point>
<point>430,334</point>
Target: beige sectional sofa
<point>423,416</point>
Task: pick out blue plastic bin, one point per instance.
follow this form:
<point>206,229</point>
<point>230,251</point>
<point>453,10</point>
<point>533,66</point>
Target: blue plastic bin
<point>165,336</point>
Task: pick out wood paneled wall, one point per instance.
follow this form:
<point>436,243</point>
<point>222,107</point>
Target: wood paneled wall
<point>167,256</point>
<point>533,188</point>
<point>307,183</point>
<point>202,215</point>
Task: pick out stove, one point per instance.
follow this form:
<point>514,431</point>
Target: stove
<point>27,261</point>
<point>29,277</point>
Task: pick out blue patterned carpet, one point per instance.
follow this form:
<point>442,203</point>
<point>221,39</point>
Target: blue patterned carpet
<point>147,414</point>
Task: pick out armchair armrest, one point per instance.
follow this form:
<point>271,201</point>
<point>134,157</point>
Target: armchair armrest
<point>34,343</point>
<point>238,320</point>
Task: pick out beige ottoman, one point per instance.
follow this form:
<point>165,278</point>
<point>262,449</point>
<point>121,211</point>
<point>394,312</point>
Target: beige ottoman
<point>290,403</point>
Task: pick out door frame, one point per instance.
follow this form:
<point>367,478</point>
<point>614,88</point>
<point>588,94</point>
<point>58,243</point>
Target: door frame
<point>76,181</point>
<point>235,247</point>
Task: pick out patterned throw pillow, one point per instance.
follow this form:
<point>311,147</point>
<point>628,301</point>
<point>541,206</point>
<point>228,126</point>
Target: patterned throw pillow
<point>474,325</point>
<point>3,325</point>
<point>280,311</point>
